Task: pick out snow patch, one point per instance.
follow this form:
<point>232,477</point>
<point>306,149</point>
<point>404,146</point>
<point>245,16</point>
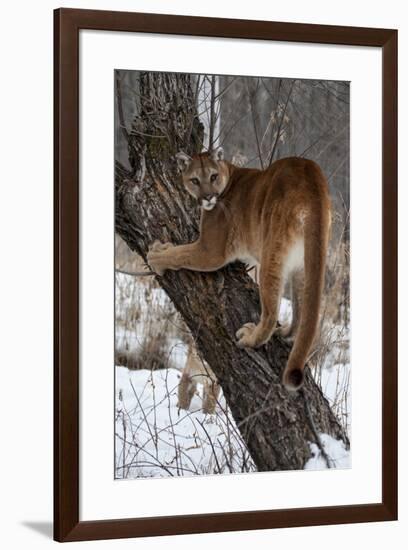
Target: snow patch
<point>339,456</point>
<point>153,438</point>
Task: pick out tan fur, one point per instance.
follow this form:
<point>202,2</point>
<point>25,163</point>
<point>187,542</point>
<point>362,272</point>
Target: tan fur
<point>196,372</point>
<point>278,218</point>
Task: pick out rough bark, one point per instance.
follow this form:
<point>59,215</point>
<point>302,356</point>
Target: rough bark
<point>274,424</point>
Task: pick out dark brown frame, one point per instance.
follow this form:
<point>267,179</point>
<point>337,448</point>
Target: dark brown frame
<point>67,24</point>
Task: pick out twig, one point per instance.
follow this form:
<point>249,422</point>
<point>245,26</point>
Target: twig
<point>133,462</point>
<point>278,132</point>
<point>124,443</point>
<point>251,104</point>
<point>120,108</point>
<point>142,409</point>
<point>212,115</point>
<point>212,446</point>
<point>135,273</point>
<point>327,143</point>
<point>314,430</point>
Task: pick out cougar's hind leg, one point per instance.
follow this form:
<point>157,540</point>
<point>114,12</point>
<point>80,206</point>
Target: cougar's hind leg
<point>296,292</point>
<point>270,289</point>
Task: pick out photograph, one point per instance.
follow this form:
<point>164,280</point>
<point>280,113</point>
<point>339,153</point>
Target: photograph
<point>232,274</point>
<point>202,262</point>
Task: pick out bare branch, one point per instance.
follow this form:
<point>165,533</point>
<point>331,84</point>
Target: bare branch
<point>120,107</point>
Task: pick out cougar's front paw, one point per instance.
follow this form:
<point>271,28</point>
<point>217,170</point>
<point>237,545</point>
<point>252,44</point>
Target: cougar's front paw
<point>156,257</point>
<point>155,265</point>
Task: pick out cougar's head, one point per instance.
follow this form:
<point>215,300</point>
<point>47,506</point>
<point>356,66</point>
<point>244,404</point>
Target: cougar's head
<point>205,176</point>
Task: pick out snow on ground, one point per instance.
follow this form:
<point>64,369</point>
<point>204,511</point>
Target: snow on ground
<point>339,456</point>
<point>285,311</point>
<point>156,439</point>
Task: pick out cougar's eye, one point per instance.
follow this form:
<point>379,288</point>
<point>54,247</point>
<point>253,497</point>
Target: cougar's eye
<point>213,177</point>
<point>196,181</point>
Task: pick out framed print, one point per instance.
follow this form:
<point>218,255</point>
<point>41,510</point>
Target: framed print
<point>225,275</point>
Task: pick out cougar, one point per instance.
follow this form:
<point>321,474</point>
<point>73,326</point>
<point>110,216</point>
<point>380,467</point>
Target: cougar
<point>278,218</point>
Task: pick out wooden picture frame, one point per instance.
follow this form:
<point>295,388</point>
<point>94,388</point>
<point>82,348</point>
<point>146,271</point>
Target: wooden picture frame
<point>67,24</point>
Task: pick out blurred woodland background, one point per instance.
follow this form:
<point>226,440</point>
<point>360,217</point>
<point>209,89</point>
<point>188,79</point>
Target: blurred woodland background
<point>175,410</point>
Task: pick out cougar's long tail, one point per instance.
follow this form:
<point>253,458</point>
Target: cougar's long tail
<point>316,235</point>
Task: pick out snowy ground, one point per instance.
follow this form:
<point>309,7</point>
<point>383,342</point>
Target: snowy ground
<point>339,456</point>
<point>155,439</point>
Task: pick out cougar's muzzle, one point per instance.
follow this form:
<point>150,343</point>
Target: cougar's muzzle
<point>209,201</point>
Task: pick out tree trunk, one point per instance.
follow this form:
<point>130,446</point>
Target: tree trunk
<point>275,425</point>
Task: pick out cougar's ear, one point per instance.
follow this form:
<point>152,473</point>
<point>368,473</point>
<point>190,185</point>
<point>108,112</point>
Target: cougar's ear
<point>183,161</point>
<point>218,154</point>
